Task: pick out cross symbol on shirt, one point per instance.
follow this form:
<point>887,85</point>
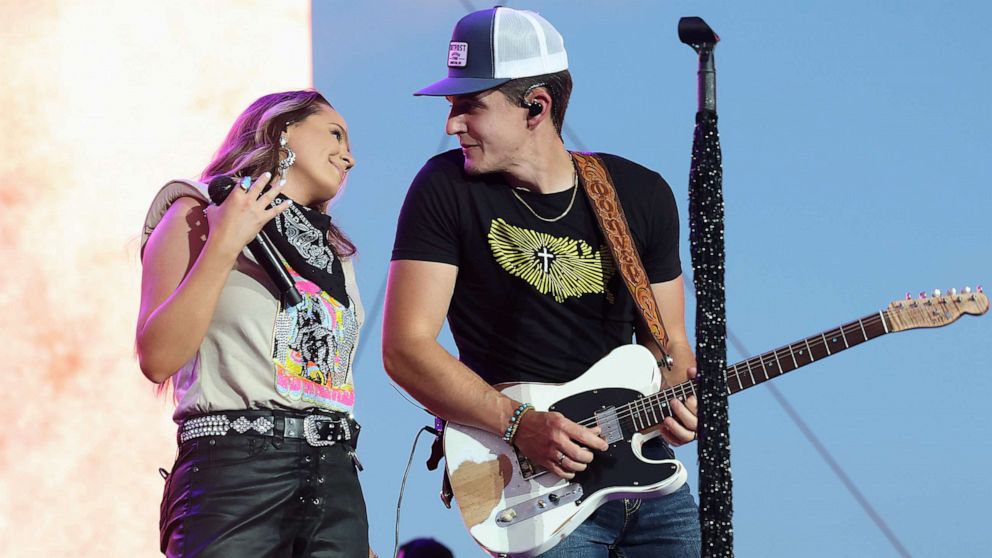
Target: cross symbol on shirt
<point>546,258</point>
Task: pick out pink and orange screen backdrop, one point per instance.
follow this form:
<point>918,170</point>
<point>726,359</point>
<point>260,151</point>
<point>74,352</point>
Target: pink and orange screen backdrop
<point>101,103</point>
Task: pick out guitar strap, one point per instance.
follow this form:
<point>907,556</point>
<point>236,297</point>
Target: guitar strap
<point>609,214</point>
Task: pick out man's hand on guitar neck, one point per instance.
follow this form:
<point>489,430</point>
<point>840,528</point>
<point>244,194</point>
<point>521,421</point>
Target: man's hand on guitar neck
<point>556,443</point>
<point>680,428</point>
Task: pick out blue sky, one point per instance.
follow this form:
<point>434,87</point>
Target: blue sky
<point>855,140</point>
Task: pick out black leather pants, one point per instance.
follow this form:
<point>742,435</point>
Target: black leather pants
<point>263,497</point>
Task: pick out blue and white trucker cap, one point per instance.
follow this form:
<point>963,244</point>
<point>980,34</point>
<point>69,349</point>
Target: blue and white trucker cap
<point>490,47</point>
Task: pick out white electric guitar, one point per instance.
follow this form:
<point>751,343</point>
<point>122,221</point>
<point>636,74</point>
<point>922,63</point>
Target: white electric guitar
<point>514,508</point>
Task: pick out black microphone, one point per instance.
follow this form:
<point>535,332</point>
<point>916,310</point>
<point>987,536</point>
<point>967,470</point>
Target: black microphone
<point>260,247</point>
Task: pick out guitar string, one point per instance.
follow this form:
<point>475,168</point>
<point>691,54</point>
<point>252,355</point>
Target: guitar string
<point>641,407</point>
<point>628,410</point>
<point>732,372</point>
<point>651,403</point>
<point>735,371</point>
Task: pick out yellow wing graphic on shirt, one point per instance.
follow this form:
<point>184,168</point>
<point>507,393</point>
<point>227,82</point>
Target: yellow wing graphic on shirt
<point>562,267</point>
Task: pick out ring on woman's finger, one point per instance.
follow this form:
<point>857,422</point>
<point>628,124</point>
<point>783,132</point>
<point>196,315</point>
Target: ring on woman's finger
<point>246,183</point>
<point>561,457</point>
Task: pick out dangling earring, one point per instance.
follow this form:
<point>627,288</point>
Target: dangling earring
<point>288,161</point>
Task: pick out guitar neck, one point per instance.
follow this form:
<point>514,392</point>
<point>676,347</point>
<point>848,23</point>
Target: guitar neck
<point>650,411</point>
<point>753,371</point>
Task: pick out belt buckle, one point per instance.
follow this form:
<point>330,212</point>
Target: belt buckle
<point>310,430</point>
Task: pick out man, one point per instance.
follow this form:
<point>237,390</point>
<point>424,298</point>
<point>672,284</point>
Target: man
<point>499,236</point>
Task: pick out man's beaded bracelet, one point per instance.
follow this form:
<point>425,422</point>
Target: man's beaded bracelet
<point>511,429</point>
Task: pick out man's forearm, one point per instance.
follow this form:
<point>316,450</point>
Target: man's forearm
<point>445,386</point>
<point>683,358</point>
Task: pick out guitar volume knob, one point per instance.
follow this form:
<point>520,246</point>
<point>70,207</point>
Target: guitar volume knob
<point>506,516</point>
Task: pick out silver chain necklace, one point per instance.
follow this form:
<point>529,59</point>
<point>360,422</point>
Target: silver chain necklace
<point>575,190</point>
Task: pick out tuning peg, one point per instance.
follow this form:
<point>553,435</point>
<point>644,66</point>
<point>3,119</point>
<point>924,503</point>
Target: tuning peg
<point>952,291</point>
<point>936,293</point>
<point>909,296</point>
<point>923,294</point>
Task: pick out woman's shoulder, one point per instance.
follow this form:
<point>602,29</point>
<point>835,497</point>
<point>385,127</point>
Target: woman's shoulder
<point>185,194</point>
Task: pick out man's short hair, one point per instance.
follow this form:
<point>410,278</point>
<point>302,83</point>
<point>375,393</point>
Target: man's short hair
<point>558,84</point>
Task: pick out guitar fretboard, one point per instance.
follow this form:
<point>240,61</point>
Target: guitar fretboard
<point>651,410</point>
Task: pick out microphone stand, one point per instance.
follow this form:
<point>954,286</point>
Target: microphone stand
<point>707,247</point>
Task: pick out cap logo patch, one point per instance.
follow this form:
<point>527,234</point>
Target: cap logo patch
<point>457,54</point>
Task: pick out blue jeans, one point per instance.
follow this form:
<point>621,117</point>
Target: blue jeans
<point>666,527</point>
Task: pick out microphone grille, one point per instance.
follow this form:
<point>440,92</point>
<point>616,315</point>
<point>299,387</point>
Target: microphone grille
<point>219,188</point>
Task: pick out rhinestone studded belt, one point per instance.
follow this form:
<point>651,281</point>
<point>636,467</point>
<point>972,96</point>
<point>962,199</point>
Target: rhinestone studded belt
<point>318,429</point>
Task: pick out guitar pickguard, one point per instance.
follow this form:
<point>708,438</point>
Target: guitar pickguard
<point>619,465</point>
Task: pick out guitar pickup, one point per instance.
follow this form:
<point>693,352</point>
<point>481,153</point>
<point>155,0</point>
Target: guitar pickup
<point>609,425</point>
<point>536,506</point>
<point>527,469</point>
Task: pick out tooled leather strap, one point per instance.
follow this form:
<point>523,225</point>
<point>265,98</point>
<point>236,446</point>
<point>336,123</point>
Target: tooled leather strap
<point>609,213</point>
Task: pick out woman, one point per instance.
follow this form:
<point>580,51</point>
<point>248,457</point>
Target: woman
<point>266,463</point>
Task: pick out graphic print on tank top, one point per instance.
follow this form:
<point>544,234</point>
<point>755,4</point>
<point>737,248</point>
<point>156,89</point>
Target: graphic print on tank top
<point>559,266</point>
<point>312,349</point>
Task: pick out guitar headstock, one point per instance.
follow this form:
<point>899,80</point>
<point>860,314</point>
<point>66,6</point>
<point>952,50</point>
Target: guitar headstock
<point>936,310</point>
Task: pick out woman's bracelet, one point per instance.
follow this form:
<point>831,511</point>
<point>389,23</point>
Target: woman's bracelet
<point>511,429</point>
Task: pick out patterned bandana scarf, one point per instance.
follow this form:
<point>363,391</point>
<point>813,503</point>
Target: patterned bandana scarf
<point>300,235</point>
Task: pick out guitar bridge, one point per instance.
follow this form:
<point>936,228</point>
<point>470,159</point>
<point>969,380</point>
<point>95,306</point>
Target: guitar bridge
<point>536,506</point>
<point>609,425</point>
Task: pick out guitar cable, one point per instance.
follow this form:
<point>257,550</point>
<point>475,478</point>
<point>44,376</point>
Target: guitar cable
<point>408,400</point>
<point>406,473</point>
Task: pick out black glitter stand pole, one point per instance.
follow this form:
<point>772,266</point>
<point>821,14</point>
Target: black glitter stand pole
<point>707,247</point>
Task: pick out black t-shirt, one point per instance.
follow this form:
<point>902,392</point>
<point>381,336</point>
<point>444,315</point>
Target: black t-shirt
<point>534,301</point>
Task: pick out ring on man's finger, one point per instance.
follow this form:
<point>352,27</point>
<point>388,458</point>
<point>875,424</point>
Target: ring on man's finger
<point>561,457</point>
